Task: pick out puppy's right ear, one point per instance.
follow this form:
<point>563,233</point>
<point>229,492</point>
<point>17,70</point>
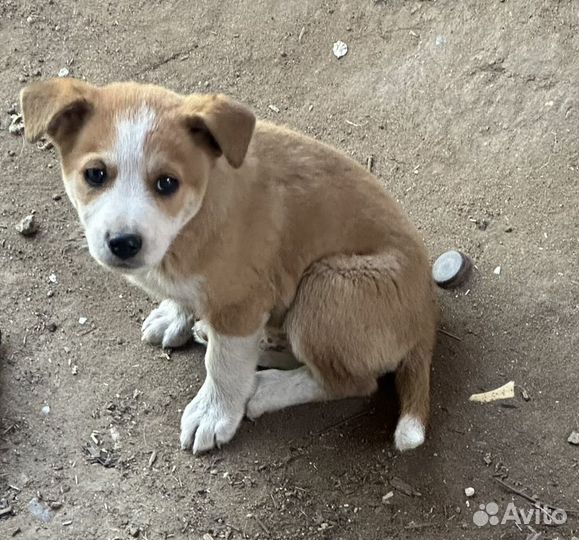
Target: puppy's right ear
<point>57,108</point>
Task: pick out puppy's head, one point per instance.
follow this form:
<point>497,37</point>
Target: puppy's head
<point>135,159</point>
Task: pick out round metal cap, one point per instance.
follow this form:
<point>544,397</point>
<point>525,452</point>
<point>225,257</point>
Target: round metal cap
<point>451,269</point>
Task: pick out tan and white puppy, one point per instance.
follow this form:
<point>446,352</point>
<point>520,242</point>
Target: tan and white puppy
<point>243,225</point>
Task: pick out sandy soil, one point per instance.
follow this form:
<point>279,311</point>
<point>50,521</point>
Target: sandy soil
<point>470,112</point>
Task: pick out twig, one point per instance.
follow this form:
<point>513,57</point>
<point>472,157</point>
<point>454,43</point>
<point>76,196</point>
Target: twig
<point>89,331</point>
<point>263,527</point>
<point>535,502</point>
<point>7,510</point>
<point>447,333</point>
<point>344,421</point>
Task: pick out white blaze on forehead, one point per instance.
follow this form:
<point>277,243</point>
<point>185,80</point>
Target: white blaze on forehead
<point>129,149</point>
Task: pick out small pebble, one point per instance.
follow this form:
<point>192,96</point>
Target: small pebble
<point>64,72</point>
<point>573,438</point>
<point>51,327</point>
<point>340,49</point>
<point>82,320</point>
<point>16,126</point>
<point>451,269</point>
<point>27,226</point>
<point>469,492</point>
<point>45,410</point>
<point>497,271</point>
<point>56,197</point>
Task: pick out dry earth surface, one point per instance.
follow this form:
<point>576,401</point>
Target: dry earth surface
<point>470,112</point>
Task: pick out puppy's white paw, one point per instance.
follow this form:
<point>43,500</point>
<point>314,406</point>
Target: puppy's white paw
<point>169,325</point>
<point>201,332</point>
<point>409,433</point>
<point>267,384</point>
<point>210,420</point>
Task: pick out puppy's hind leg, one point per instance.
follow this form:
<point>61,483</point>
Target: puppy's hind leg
<point>277,389</point>
<point>413,385</point>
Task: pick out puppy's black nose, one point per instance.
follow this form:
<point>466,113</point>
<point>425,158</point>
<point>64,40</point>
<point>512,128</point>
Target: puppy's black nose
<point>125,246</point>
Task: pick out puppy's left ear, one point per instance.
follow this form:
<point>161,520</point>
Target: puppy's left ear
<point>222,124</point>
<point>55,107</point>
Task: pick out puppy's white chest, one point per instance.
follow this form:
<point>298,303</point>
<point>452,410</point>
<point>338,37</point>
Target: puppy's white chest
<point>187,292</point>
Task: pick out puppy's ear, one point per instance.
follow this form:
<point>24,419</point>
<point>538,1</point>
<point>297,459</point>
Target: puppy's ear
<point>57,108</point>
<point>224,125</point>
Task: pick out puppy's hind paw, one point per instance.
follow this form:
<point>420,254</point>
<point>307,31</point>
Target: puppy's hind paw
<point>409,433</point>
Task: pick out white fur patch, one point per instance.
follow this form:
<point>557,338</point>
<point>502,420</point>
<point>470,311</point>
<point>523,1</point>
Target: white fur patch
<point>409,433</point>
<point>277,389</point>
<point>212,418</point>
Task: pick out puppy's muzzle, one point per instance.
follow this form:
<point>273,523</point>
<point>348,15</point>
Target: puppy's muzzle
<point>125,246</point>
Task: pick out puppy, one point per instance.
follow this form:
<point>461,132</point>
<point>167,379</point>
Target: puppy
<point>244,224</point>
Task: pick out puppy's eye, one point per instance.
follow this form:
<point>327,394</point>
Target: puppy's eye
<point>166,185</point>
<point>95,176</point>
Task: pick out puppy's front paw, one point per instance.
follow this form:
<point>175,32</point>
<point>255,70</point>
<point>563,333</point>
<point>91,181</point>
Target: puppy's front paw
<point>169,325</point>
<point>210,420</point>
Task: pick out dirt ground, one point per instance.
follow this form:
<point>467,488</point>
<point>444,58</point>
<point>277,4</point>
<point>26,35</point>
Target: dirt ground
<point>470,112</point>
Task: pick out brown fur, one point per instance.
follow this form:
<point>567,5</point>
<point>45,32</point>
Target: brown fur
<point>288,227</point>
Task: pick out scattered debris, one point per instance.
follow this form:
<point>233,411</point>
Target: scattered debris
<point>451,269</point>
<point>51,327</point>
<point>102,456</point>
<point>45,410</point>
<point>5,511</point>
<point>507,391</point>
<point>302,32</point>
<point>508,229</point>
<point>27,226</point>
<point>400,485</point>
<point>82,320</point>
<point>469,491</point>
<point>497,271</point>
<point>52,278</point>
<point>63,72</point>
<point>40,511</point>
<point>370,163</point>
<point>525,395</point>
<point>387,497</point>
<point>56,197</point>
<point>273,108</point>
<point>152,458</point>
<point>573,438</point>
<point>67,523</point>
<point>44,144</point>
<point>340,49</point>
<point>134,531</point>
<point>16,126</point>
<point>207,536</point>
